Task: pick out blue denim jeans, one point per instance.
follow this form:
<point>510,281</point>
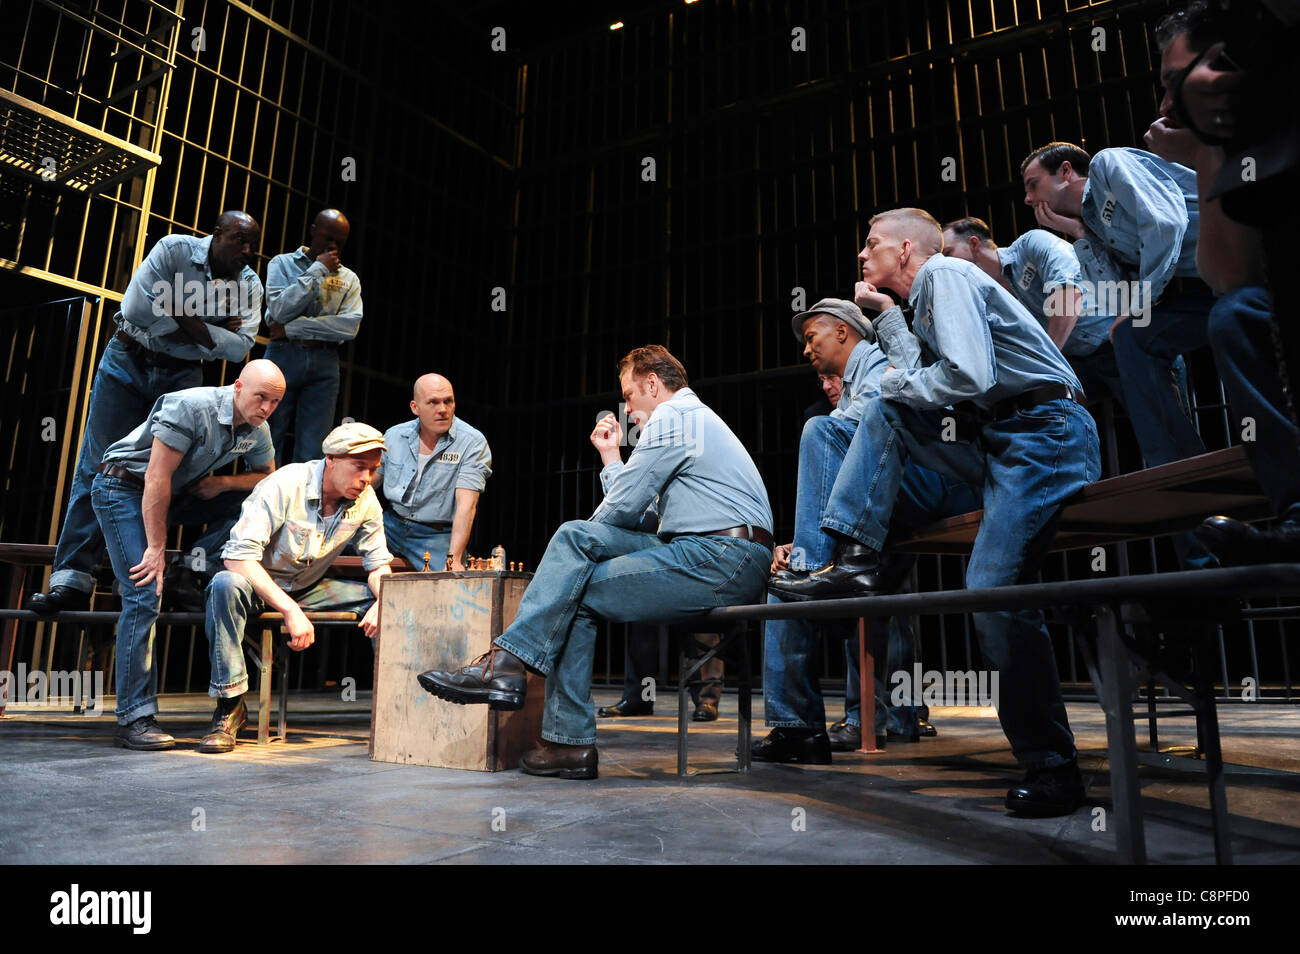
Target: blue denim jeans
<point>1029,464</point>
<point>311,377</point>
<point>822,447</point>
<point>118,507</point>
<point>231,600</point>
<point>411,540</point>
<point>121,397</point>
<point>593,571</point>
<point>792,648</point>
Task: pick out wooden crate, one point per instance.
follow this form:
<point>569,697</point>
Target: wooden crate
<point>442,621</point>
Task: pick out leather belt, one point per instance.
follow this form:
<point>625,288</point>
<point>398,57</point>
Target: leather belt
<point>1022,402</point>
<point>155,358</point>
<point>308,343</point>
<point>439,527</point>
<point>122,474</point>
<point>744,532</point>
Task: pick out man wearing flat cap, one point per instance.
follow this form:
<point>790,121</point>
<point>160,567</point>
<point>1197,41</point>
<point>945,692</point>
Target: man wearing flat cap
<point>292,527</point>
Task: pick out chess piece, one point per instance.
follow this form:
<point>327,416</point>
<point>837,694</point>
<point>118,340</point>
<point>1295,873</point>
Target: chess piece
<point>427,554</point>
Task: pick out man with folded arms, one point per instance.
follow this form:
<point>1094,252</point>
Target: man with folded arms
<point>291,529</point>
<point>713,548</point>
<point>191,300</point>
<point>155,476</point>
<point>1029,443</point>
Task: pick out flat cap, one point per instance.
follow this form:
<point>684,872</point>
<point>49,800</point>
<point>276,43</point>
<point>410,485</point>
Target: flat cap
<point>846,311</point>
<point>352,438</point>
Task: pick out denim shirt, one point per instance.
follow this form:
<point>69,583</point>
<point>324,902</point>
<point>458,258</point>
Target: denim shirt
<point>970,340</point>
<point>282,526</point>
<point>313,303</point>
<point>198,422</point>
<point>462,459</point>
<point>1142,217</point>
<point>1035,265</point>
<point>687,457</point>
<point>176,273</point>
<point>861,379</point>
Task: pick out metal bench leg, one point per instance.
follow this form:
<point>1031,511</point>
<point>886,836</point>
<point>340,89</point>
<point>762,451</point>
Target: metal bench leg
<point>1207,737</point>
<point>1116,692</point>
<point>682,722</point>
<point>744,700</point>
<point>264,687</point>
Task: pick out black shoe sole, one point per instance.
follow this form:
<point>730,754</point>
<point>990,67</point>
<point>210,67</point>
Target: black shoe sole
<point>151,747</point>
<point>578,774</point>
<point>796,597</point>
<point>493,698</point>
<point>605,712</point>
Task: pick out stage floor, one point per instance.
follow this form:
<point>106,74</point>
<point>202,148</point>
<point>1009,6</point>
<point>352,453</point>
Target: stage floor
<point>68,796</point>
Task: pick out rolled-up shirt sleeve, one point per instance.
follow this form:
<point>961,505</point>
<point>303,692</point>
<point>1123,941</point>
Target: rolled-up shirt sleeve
<point>235,345</point>
<point>475,470</point>
<point>261,515</point>
<point>173,424</point>
<point>630,488</point>
<point>369,539</point>
<point>965,368</point>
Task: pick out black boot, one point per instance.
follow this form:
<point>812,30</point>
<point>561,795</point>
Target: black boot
<point>854,570</point>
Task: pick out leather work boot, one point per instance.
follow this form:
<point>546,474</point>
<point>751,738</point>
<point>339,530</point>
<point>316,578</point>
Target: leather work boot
<point>144,735</point>
<point>844,737</point>
<point>1048,792</point>
<point>58,599</point>
<point>1239,544</point>
<point>792,745</point>
<point>497,678</point>
<point>226,723</point>
<point>555,760</point>
<point>855,570</point>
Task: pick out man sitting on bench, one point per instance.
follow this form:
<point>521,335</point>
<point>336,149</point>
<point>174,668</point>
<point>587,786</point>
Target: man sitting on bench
<point>713,548</point>
<point>138,491</point>
<point>1028,441</point>
<point>293,526</point>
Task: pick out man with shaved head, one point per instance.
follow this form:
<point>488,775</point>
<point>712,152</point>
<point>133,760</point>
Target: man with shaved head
<point>191,300</point>
<point>977,391</point>
<point>434,469</point>
<point>160,474</point>
<point>313,307</point>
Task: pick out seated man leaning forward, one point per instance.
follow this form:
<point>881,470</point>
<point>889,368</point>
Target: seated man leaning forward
<point>293,525</point>
<point>1029,443</point>
<point>433,471</point>
<point>713,548</point>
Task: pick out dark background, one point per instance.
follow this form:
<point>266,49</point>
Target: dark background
<point>522,170</point>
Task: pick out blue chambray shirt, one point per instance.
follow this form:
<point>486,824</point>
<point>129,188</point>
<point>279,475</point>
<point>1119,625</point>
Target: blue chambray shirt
<point>970,340</point>
<point>1142,217</point>
<point>1035,265</point>
<point>688,458</point>
<point>177,268</point>
<point>283,527</point>
<point>198,422</point>
<point>861,379</point>
<point>462,459</point>
<point>313,303</point>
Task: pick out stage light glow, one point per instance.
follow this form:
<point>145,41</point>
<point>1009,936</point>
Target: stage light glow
<point>616,26</point>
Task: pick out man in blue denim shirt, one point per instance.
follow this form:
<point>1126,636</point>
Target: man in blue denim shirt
<point>713,548</point>
<point>191,300</point>
<point>1031,445</point>
<point>189,434</point>
<point>313,307</point>
<point>435,467</point>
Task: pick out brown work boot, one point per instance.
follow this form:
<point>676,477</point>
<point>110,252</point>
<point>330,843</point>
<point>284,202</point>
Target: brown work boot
<point>226,723</point>
<point>497,678</point>
<point>555,760</point>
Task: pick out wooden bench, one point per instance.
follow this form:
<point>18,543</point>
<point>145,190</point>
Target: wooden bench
<point>22,557</point>
<point>1160,500</point>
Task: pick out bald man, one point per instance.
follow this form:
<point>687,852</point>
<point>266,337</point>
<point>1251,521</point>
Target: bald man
<point>160,474</point>
<point>434,469</point>
<point>192,299</point>
<point>313,307</point>
<point>977,391</point>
